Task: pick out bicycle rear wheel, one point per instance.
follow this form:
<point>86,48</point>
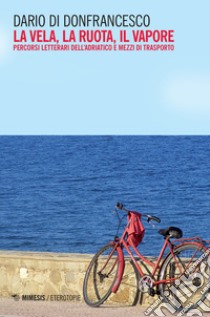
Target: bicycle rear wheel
<point>189,272</point>
<point>101,275</point>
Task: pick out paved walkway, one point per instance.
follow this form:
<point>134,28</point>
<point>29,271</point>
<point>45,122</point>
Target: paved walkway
<point>14,308</point>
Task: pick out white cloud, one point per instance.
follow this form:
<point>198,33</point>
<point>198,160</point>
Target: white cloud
<point>188,92</point>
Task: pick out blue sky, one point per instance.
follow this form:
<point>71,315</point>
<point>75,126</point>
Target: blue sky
<point>109,92</point>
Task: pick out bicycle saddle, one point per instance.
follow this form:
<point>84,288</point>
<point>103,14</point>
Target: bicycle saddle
<point>172,232</point>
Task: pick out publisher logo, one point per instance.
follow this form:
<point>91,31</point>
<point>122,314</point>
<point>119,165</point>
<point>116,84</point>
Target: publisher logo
<point>41,297</point>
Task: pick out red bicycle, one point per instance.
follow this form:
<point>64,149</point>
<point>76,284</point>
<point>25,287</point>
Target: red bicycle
<point>180,278</point>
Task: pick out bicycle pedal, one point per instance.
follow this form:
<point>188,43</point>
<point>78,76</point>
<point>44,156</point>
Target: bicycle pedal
<point>151,292</point>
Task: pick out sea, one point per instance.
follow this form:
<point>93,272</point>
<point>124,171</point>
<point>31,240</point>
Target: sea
<point>58,193</point>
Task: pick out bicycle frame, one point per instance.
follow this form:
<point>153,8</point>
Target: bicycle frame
<point>122,242</point>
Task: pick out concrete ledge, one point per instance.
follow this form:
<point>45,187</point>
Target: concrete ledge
<point>57,274</point>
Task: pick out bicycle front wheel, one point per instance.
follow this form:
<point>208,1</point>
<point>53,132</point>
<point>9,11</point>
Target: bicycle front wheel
<point>101,275</point>
<point>187,272</point>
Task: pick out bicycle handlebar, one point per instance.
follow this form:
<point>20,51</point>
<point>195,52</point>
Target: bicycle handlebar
<point>120,206</point>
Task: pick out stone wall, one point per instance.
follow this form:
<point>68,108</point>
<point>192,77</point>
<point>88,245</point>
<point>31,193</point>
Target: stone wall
<point>53,275</point>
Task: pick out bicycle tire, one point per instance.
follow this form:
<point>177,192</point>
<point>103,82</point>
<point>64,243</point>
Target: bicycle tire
<point>101,275</point>
<point>185,293</point>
